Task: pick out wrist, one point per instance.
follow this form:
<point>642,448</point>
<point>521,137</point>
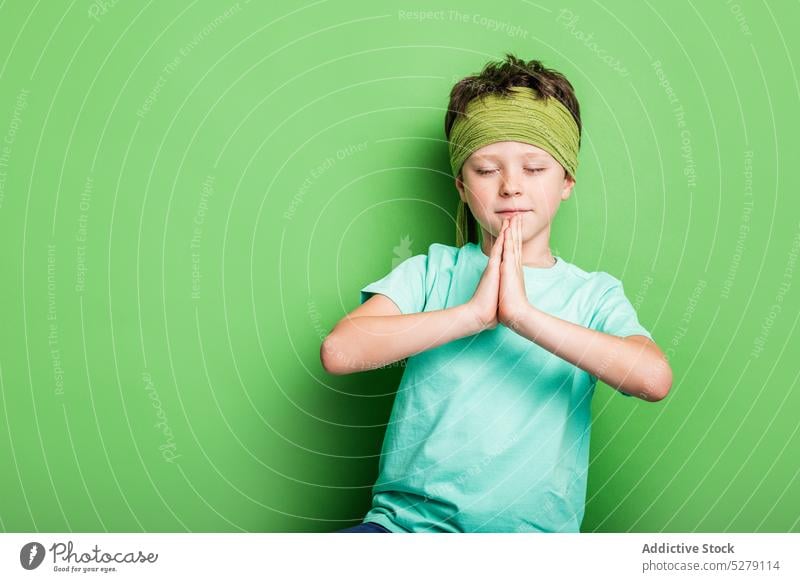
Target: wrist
<point>516,316</point>
<point>469,321</point>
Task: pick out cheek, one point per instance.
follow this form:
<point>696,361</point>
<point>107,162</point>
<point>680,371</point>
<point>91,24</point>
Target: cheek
<point>550,204</point>
<point>480,200</point>
<point>550,193</point>
<point>547,183</point>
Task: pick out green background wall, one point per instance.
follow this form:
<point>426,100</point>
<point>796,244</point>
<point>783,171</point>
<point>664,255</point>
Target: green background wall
<point>192,195</point>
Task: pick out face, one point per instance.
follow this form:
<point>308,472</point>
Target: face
<point>513,176</point>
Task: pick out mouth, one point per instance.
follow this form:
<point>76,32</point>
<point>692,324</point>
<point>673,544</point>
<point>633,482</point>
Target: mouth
<point>512,212</point>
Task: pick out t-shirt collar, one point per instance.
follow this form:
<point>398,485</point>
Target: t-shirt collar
<point>474,251</point>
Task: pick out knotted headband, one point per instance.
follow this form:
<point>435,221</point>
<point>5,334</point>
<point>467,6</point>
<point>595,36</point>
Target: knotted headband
<point>518,116</point>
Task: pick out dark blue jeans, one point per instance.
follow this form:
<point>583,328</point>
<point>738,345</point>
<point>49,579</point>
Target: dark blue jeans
<point>366,527</point>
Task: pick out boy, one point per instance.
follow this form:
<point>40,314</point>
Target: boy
<point>505,341</point>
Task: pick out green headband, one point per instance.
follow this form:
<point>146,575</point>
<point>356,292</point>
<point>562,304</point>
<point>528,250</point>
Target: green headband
<point>519,116</point>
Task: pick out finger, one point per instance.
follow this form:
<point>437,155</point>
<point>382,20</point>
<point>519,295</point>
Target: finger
<point>500,236</point>
<point>518,238</point>
<point>506,224</point>
<point>493,237</point>
<point>497,248</point>
<point>508,245</point>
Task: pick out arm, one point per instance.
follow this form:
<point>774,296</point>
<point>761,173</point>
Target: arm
<point>633,364</point>
<point>376,334</point>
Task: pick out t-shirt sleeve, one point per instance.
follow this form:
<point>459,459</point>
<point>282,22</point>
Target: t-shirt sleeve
<point>405,285</point>
<point>616,316</point>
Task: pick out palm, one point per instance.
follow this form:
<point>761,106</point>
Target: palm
<point>485,300</point>
<point>512,298</point>
<point>500,296</point>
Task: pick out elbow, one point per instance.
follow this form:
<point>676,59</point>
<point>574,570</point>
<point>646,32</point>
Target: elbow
<point>659,385</point>
<point>327,358</point>
<point>332,359</point>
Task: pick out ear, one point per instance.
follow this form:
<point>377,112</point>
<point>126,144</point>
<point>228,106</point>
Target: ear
<point>566,190</point>
<point>460,187</point>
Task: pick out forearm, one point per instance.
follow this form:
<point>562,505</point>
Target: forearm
<point>633,366</point>
<point>364,343</point>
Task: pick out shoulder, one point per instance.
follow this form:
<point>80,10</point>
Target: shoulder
<point>596,288</point>
<point>439,257</point>
<point>594,280</point>
<point>443,256</point>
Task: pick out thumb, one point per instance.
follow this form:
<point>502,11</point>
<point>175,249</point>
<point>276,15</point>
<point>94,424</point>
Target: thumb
<point>496,252</point>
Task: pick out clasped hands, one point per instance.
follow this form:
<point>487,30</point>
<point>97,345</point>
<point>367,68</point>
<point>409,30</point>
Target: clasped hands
<point>500,296</point>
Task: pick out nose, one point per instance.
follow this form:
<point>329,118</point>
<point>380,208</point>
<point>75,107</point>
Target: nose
<point>511,184</point>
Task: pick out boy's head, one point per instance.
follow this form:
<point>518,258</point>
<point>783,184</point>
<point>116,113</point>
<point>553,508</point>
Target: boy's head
<point>514,134</point>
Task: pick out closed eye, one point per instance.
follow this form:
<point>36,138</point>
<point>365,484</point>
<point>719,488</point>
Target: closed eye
<point>530,170</point>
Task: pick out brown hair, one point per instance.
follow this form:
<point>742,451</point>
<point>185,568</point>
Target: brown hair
<point>496,77</point>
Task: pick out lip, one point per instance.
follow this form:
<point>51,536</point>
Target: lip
<point>510,212</point>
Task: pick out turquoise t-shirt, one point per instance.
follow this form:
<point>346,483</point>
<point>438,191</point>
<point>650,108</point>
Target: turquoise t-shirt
<point>490,432</point>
